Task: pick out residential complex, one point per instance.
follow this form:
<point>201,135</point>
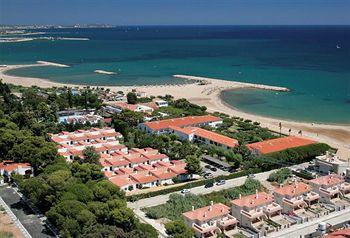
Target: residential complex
<point>295,197</point>
<point>278,144</point>
<point>104,140</point>
<point>264,213</point>
<point>129,169</point>
<point>200,135</point>
<point>79,116</point>
<point>141,168</point>
<point>252,210</point>
<point>330,188</point>
<point>164,126</point>
<point>209,221</point>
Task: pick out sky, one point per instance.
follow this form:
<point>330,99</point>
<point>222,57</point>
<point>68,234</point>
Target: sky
<point>176,12</point>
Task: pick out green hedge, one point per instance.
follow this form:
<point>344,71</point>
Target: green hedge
<point>299,154</point>
<point>190,185</point>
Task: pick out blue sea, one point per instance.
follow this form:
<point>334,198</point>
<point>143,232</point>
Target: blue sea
<point>313,61</point>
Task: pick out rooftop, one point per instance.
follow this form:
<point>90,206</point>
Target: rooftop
<point>328,180</point>
<point>181,122</point>
<point>279,144</point>
<point>293,190</point>
<point>208,212</point>
<point>344,233</point>
<point>254,200</point>
<point>210,135</point>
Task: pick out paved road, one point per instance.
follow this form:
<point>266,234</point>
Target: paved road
<point>30,221</point>
<point>161,199</point>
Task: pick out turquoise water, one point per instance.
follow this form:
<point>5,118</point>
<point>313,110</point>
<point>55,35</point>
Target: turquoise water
<point>304,59</point>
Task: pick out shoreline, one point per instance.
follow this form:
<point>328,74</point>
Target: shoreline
<point>208,95</point>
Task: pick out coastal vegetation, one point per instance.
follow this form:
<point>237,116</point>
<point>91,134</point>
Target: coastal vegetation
<point>280,175</point>
<point>178,204</point>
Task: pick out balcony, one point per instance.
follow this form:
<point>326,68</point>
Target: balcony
<point>311,196</point>
<point>272,208</point>
<point>227,221</point>
<point>253,214</point>
<point>330,191</point>
<point>204,228</point>
<point>295,202</point>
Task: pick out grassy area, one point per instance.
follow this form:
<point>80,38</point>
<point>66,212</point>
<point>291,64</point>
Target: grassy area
<point>178,204</point>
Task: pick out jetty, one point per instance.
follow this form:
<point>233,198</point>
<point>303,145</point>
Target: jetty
<point>47,63</point>
<point>228,84</point>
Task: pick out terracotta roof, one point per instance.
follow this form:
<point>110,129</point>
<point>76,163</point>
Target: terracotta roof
<point>142,178</point>
<point>181,122</point>
<point>254,200</point>
<point>210,135</point>
<point>124,105</point>
<point>121,180</point>
<point>10,166</point>
<point>163,174</point>
<point>293,190</point>
<point>344,233</point>
<point>208,212</point>
<point>279,144</point>
<point>329,180</point>
<point>155,156</point>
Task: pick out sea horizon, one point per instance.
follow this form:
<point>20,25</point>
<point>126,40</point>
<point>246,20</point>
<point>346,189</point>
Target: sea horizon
<point>280,55</point>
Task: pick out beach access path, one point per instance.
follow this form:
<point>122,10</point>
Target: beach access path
<point>206,92</point>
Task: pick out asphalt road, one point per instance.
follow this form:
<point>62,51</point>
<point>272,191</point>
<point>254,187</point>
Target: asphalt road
<point>161,199</point>
<point>25,215</point>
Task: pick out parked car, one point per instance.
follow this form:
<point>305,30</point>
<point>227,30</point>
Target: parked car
<point>184,191</point>
<point>208,185</point>
<point>207,166</point>
<point>251,176</point>
<point>221,182</point>
<point>213,169</point>
<point>208,175</point>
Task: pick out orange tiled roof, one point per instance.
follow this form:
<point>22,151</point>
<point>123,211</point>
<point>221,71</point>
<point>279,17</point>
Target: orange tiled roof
<point>142,178</point>
<point>181,122</point>
<point>10,165</point>
<point>163,174</point>
<point>279,144</point>
<point>254,200</point>
<point>210,135</point>
<point>121,180</point>
<point>124,105</point>
<point>329,180</point>
<point>293,190</point>
<point>344,233</point>
<point>208,212</point>
<point>155,156</point>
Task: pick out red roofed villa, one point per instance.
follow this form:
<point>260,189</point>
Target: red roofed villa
<point>208,221</point>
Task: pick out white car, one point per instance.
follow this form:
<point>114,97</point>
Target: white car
<point>184,191</point>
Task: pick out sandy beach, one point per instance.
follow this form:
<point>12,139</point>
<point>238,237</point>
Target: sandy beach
<point>207,93</point>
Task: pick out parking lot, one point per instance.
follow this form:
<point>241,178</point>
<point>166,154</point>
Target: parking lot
<point>29,220</point>
<point>216,173</point>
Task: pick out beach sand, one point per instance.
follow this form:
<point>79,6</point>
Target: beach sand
<point>208,94</point>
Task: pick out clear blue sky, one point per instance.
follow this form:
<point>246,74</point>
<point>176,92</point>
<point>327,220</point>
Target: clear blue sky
<point>176,12</point>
